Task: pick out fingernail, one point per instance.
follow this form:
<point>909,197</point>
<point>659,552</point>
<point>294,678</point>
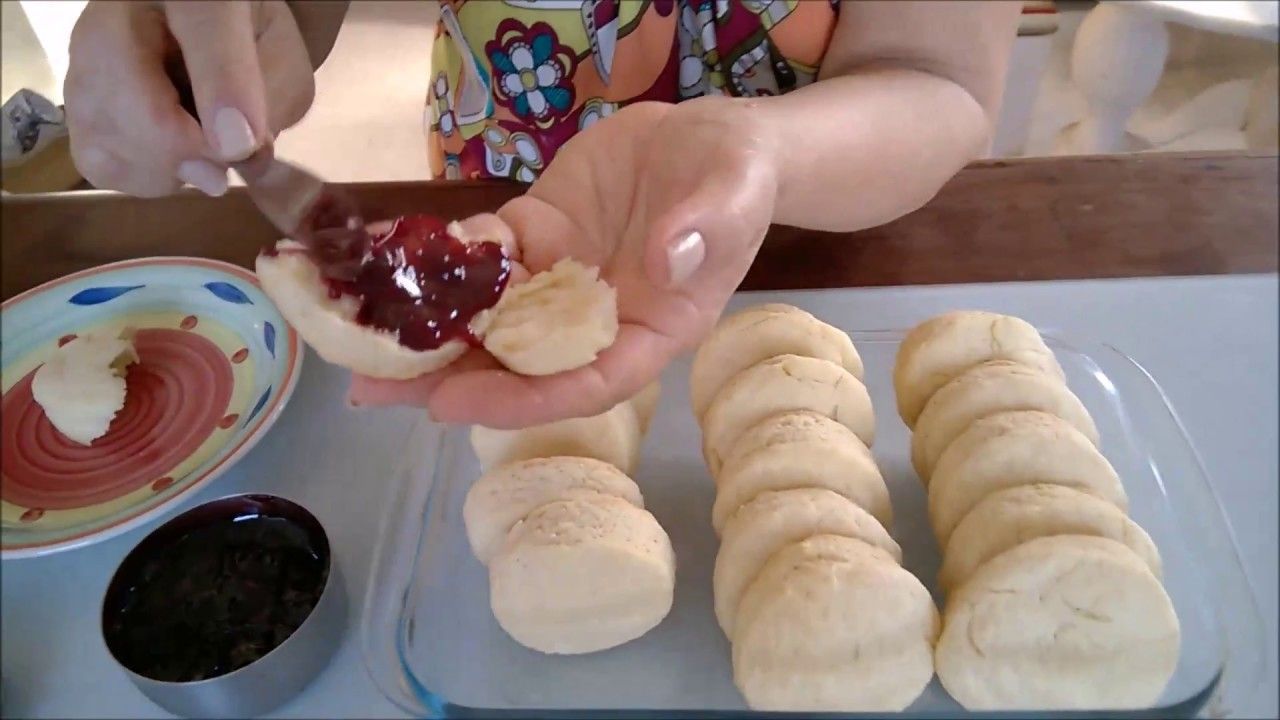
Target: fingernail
<point>204,175</point>
<point>234,136</point>
<point>685,256</point>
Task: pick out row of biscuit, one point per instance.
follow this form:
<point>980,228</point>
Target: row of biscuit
<point>576,564</point>
<point>1054,599</point>
<point>808,585</point>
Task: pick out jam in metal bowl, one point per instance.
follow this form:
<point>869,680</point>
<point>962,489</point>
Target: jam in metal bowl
<point>231,607</point>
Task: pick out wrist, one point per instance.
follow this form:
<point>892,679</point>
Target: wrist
<point>736,136</point>
<point>758,142</point>
<point>761,141</point>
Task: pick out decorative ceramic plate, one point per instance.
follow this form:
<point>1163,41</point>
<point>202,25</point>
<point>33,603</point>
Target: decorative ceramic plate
<point>216,365</point>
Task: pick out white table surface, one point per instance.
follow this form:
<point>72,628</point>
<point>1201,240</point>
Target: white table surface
<point>1210,342</point>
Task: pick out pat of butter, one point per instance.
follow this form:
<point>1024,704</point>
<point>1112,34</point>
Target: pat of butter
<point>81,386</point>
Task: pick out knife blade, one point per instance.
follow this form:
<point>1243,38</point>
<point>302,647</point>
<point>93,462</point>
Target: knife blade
<point>319,215</point>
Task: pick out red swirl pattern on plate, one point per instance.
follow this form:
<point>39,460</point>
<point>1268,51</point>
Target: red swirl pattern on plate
<point>178,393</point>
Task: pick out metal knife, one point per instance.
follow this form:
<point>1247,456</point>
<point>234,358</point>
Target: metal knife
<point>302,206</point>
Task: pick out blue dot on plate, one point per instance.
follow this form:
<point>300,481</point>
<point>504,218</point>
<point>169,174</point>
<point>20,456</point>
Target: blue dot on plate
<point>258,407</point>
<point>269,337</point>
<point>99,295</point>
<point>227,291</point>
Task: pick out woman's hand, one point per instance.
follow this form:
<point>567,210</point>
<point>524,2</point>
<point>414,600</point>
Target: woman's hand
<point>671,202</point>
<point>249,71</point>
<point>907,94</point>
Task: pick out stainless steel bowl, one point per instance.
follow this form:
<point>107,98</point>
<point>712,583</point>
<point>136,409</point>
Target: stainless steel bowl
<point>281,673</point>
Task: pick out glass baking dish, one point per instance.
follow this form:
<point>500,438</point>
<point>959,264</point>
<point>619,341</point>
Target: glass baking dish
<point>431,642</point>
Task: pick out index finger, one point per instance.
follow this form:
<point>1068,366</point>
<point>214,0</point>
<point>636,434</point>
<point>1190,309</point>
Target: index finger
<point>221,58</point>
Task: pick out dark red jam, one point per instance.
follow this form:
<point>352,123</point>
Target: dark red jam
<point>214,599</point>
<point>415,280</point>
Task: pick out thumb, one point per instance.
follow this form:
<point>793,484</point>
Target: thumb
<point>221,58</point>
<point>713,231</point>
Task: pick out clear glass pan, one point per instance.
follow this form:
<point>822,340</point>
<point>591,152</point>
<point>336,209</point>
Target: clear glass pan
<point>432,644</point>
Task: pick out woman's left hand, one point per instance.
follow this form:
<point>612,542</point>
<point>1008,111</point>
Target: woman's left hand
<point>671,202</point>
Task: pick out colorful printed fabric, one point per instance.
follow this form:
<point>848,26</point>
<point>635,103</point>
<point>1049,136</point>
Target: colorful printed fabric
<point>513,80</point>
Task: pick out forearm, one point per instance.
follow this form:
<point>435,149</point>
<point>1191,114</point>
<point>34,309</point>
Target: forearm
<point>865,148</point>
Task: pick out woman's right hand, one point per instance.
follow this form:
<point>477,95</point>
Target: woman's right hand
<point>250,75</point>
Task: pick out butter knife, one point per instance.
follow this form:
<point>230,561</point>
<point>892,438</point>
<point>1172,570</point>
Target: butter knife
<point>319,215</point>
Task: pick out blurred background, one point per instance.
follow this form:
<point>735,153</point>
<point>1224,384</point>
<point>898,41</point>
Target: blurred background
<point>1086,78</point>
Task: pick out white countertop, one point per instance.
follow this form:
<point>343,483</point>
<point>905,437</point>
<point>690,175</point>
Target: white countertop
<point>1210,342</point>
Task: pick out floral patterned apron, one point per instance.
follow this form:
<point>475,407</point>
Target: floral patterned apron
<point>513,80</point>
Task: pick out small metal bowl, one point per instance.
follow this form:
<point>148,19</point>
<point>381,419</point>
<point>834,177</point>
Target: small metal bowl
<point>266,682</point>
